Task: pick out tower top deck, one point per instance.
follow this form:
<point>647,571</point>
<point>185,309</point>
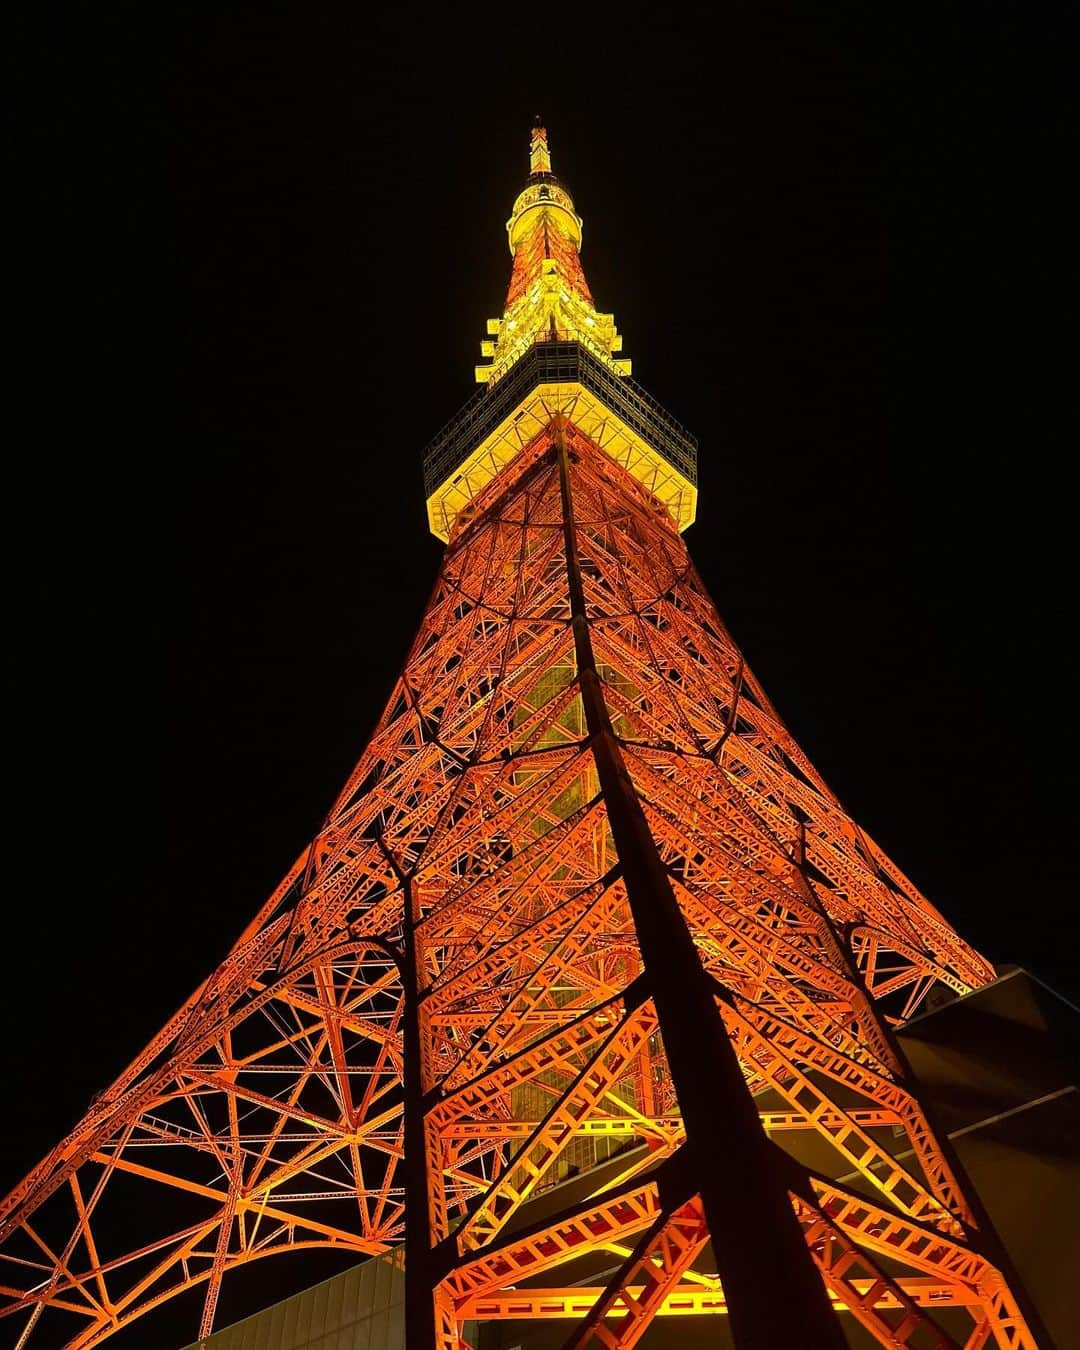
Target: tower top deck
<point>548,297</point>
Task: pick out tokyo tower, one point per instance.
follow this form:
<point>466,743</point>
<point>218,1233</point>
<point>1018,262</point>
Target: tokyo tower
<point>584,908</point>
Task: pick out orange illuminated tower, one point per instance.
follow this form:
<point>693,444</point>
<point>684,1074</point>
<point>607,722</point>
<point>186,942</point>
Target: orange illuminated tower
<point>583,899</point>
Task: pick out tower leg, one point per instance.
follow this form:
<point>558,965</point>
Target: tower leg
<point>421,1276</point>
<point>775,1295</point>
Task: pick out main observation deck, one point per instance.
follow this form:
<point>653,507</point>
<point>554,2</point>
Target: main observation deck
<point>558,376</point>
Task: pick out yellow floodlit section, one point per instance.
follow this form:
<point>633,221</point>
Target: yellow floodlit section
<point>595,420</point>
<point>539,154</point>
<point>548,295</point>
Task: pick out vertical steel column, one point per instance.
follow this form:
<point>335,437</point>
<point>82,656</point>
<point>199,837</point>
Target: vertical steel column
<point>775,1295</point>
<point>421,1276</point>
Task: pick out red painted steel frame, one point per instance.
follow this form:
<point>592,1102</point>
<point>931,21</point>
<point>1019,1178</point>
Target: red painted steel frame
<point>475,837</point>
<point>582,894</point>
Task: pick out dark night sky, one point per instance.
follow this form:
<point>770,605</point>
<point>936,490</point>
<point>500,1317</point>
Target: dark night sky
<point>259,256</point>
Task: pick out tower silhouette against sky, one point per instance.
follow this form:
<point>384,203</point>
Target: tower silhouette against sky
<point>582,900</point>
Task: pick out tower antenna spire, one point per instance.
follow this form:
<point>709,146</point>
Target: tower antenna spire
<point>539,154</point>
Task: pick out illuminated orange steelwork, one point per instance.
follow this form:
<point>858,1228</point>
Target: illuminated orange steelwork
<point>583,897</point>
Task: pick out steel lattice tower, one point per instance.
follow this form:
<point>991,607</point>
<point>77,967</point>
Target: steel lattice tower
<point>582,898</point>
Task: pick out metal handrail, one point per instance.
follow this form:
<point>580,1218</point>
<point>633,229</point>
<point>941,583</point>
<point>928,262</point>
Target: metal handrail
<point>558,361</point>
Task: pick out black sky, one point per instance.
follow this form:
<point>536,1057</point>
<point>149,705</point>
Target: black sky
<point>259,252</point>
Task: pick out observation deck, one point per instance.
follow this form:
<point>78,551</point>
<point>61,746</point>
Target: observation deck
<point>556,376</point>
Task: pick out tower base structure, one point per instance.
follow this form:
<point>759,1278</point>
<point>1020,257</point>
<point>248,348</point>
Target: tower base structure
<point>998,1068</point>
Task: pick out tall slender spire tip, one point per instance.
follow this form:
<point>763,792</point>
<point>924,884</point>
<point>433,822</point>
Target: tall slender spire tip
<point>539,154</point>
